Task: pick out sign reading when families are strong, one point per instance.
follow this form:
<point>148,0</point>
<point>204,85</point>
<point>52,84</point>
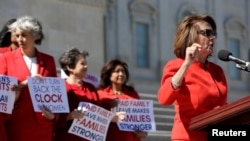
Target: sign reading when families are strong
<point>139,115</point>
<point>7,97</point>
<point>94,124</point>
<point>49,92</point>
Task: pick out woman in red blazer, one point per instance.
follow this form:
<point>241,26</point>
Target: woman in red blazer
<point>74,64</point>
<point>25,124</point>
<point>192,83</point>
<point>7,43</point>
<point>114,76</point>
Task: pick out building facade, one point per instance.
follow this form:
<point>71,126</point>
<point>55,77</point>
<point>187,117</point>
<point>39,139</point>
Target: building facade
<point>141,32</point>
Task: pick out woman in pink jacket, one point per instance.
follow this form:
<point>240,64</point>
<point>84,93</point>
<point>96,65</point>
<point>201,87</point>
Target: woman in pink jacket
<point>25,124</point>
<point>190,81</point>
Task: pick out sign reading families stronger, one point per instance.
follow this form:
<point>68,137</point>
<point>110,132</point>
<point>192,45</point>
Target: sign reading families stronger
<point>139,115</point>
<point>49,92</point>
<point>94,124</point>
<point>7,97</point>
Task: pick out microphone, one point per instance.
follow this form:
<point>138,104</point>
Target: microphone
<point>225,55</point>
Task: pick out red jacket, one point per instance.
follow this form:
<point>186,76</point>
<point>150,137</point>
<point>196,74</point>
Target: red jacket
<point>203,88</point>
<point>25,124</point>
<point>2,128</point>
<point>5,49</point>
<point>107,96</point>
<point>86,93</point>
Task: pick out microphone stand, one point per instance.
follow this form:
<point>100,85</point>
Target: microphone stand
<point>244,67</point>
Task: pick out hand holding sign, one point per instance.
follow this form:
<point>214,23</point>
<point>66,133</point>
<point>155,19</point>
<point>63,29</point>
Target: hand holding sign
<point>119,116</point>
<point>47,113</point>
<point>17,89</point>
<point>25,82</point>
<point>141,134</point>
<point>76,114</point>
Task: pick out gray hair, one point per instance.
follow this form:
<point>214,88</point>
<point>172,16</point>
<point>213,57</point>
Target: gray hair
<point>70,57</point>
<point>29,24</point>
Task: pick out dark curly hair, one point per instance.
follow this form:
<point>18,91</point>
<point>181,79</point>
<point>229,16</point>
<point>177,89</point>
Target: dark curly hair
<point>107,71</point>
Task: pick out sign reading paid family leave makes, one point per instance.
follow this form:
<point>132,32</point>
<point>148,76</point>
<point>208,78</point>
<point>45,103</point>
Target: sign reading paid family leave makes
<point>49,92</point>
<point>7,97</point>
<point>94,124</point>
<point>139,115</point>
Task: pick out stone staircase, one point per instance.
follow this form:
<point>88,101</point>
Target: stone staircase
<point>163,117</point>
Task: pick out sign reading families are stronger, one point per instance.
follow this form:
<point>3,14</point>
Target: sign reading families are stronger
<point>49,92</point>
<point>139,115</point>
<point>94,124</point>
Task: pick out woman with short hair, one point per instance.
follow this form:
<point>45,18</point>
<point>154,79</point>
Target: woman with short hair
<point>25,124</point>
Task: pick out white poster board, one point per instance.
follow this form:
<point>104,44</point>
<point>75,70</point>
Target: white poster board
<point>94,124</point>
<point>139,115</point>
<point>49,92</point>
<point>7,97</point>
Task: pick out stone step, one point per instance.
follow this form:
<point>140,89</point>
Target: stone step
<point>158,136</point>
<point>164,110</point>
<point>164,126</point>
<point>163,119</point>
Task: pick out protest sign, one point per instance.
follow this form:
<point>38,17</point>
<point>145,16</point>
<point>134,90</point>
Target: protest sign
<point>90,78</point>
<point>139,115</point>
<point>94,124</point>
<point>7,97</point>
<point>49,92</point>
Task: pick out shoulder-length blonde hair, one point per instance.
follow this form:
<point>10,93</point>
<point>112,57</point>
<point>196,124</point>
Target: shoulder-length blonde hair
<point>187,33</point>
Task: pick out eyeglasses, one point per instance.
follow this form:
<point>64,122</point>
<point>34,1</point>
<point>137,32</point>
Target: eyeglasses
<point>208,32</point>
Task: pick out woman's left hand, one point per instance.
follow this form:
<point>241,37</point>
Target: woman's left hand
<point>119,116</point>
<point>17,89</point>
<point>25,82</point>
<point>46,113</point>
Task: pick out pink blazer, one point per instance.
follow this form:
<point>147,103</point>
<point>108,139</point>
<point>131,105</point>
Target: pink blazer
<point>25,124</point>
